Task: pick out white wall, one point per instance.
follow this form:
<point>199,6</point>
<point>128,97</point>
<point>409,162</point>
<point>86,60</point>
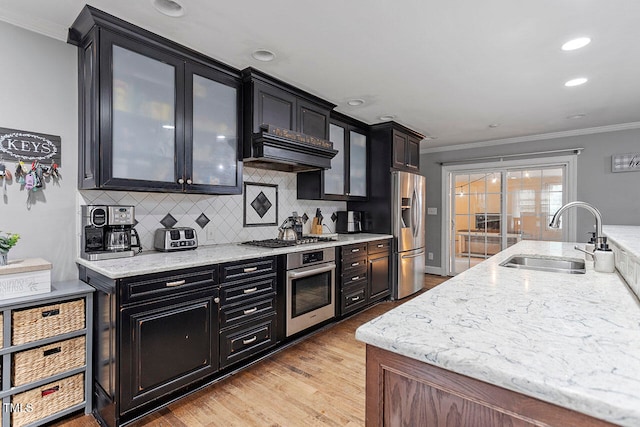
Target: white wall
<point>38,87</point>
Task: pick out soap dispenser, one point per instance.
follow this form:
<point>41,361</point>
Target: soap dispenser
<point>590,246</point>
<point>604,260</point>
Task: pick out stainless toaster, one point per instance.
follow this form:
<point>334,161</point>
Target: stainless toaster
<point>175,239</point>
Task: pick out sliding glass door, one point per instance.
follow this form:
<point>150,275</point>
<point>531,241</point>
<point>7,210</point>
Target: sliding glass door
<point>492,209</point>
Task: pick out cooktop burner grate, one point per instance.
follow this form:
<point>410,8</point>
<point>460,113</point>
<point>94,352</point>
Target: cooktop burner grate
<point>278,243</point>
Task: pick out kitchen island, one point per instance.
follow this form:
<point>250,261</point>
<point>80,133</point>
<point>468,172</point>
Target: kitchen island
<point>572,340</point>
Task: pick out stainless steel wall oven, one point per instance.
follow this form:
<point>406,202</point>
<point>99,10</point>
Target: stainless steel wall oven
<point>310,289</point>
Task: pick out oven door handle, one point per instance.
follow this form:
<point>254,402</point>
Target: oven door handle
<point>311,271</point>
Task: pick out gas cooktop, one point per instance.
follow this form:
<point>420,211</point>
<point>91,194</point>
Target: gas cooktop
<point>278,243</point>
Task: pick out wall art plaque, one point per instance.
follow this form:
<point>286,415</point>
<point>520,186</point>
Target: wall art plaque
<point>16,145</point>
<point>629,162</point>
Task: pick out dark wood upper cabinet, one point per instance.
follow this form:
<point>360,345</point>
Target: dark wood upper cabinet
<point>398,143</point>
<point>279,104</point>
<point>154,115</point>
<point>348,177</point>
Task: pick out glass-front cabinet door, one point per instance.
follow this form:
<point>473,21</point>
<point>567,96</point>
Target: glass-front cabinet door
<point>212,131</point>
<point>357,164</point>
<point>142,138</point>
<point>166,123</point>
<point>334,178</point>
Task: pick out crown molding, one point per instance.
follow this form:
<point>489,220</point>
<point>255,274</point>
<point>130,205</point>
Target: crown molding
<point>46,28</point>
<point>538,137</point>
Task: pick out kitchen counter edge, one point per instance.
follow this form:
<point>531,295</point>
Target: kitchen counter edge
<point>157,262</point>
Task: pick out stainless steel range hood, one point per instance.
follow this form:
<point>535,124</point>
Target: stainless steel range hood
<point>281,149</point>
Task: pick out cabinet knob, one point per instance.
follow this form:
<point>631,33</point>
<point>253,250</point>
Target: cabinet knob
<point>180,181</point>
<point>216,300</point>
<point>189,181</point>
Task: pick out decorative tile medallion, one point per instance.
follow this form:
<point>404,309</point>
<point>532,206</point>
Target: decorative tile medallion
<point>260,204</point>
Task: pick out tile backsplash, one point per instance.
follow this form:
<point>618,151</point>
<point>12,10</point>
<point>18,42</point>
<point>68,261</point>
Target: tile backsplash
<point>224,212</point>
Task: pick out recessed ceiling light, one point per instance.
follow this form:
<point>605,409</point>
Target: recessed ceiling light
<point>576,43</point>
<point>576,116</point>
<point>494,125</point>
<point>263,55</point>
<point>355,102</point>
<point>168,127</point>
<point>576,82</point>
<point>386,117</point>
<point>168,7</point>
<point>221,137</point>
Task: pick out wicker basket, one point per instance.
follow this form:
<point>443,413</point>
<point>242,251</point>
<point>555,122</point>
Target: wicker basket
<point>41,362</point>
<point>37,323</point>
<point>43,401</point>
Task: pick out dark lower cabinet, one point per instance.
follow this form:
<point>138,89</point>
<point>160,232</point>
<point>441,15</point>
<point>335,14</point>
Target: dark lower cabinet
<point>167,344</point>
<point>248,322</point>
<point>155,336</point>
<point>364,275</point>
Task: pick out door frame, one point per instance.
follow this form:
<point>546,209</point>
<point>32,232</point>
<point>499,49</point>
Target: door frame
<point>570,163</point>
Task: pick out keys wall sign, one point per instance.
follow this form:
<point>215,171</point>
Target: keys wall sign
<point>17,145</point>
<point>625,162</point>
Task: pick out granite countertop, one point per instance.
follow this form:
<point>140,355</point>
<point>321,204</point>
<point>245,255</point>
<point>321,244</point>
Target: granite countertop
<point>155,262</point>
<point>572,340</point>
<point>625,236</point>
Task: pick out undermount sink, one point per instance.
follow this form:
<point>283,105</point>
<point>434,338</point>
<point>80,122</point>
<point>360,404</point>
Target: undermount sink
<point>546,263</point>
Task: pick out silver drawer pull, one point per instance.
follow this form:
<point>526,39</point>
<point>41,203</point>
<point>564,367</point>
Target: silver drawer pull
<point>250,269</point>
<point>248,291</point>
<point>251,310</point>
<point>354,264</point>
<point>355,250</point>
<point>176,283</point>
<point>250,340</point>
<point>355,278</point>
<point>381,245</point>
<point>355,298</point>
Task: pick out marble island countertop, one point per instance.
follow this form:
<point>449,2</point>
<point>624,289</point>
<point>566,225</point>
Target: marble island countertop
<point>155,262</point>
<point>569,339</point>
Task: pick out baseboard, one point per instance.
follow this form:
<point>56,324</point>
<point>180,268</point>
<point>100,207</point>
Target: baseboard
<point>433,270</point>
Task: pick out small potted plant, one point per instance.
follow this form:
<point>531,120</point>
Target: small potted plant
<point>7,241</point>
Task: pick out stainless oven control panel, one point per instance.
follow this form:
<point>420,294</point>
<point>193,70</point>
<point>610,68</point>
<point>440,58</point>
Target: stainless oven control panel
<point>301,259</point>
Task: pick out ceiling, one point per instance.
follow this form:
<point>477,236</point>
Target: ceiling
<point>448,69</point>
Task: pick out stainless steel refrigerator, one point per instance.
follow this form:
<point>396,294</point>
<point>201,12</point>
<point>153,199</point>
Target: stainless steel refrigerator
<point>408,227</point>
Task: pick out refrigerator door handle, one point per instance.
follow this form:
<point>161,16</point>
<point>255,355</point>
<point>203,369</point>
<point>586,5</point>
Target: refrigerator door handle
<point>413,256</point>
<point>414,213</point>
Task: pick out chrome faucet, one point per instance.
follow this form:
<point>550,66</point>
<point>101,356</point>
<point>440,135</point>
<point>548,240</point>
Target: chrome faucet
<point>555,222</point>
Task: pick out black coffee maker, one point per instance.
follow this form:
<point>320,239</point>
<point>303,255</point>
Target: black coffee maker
<point>108,232</point>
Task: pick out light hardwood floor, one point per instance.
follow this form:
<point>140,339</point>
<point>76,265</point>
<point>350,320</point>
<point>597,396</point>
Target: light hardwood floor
<point>316,382</point>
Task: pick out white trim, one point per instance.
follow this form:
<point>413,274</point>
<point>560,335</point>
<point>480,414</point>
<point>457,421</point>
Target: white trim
<point>570,193</point>
<point>433,270</point>
<point>40,26</point>
<point>526,138</point>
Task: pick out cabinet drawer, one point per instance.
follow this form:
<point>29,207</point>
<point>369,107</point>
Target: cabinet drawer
<point>246,340</point>
<point>356,250</point>
<point>240,313</point>
<point>246,269</point>
<point>48,399</point>
<point>354,265</point>
<point>41,362</point>
<point>379,246</point>
<point>33,324</point>
<point>162,285</point>
<point>353,298</point>
<point>355,277</point>
<point>237,292</point>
